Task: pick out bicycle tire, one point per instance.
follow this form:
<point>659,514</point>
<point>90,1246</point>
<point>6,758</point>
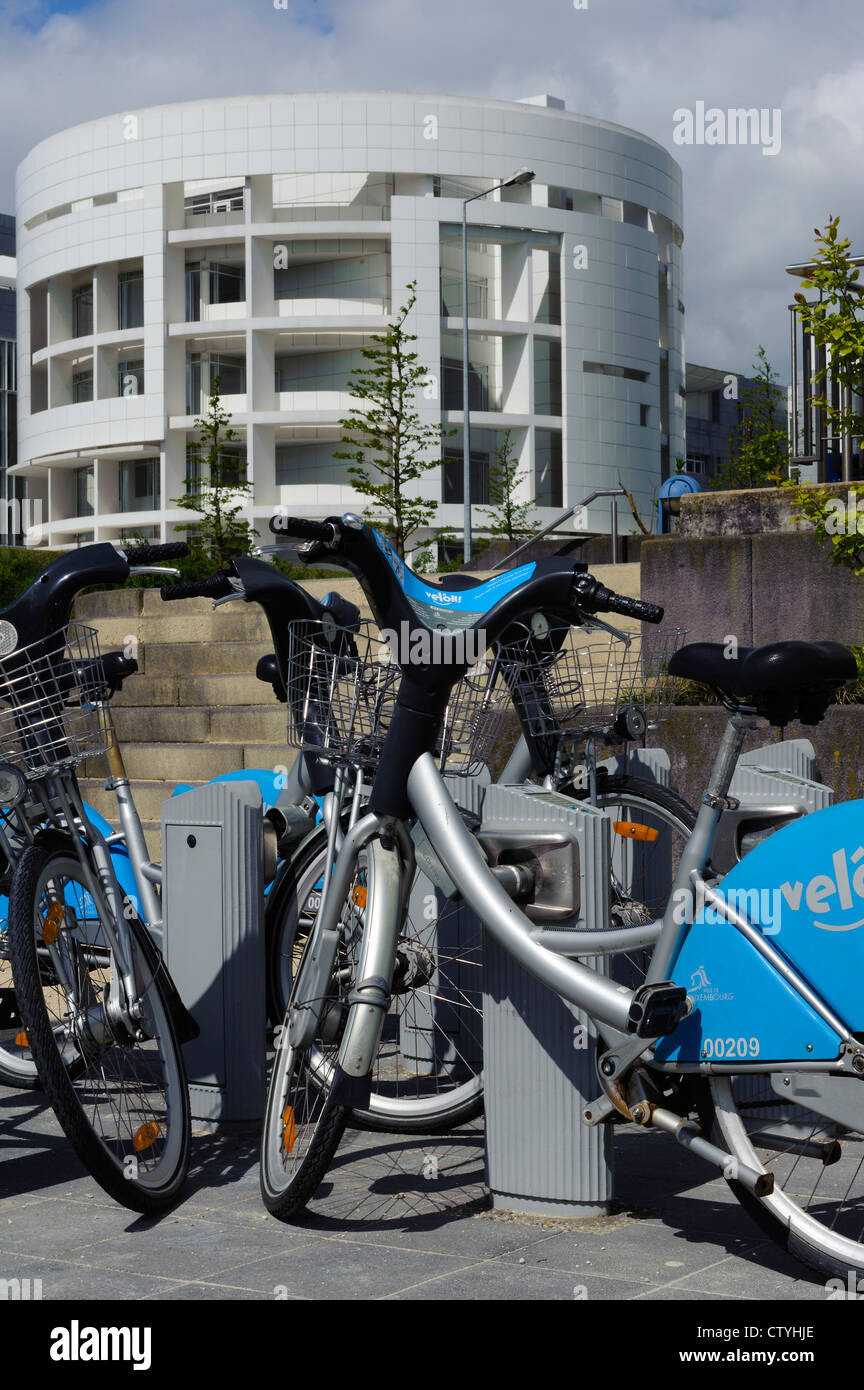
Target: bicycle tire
<point>143,1168</point>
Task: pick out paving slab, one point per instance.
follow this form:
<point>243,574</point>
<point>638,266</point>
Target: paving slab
<point>396,1218</point>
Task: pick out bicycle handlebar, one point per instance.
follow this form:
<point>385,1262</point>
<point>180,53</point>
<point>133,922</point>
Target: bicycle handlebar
<point>590,596</point>
<point>151,554</point>
<point>214,586</point>
<point>302,529</point>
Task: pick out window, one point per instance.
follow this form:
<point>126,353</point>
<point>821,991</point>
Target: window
<point>193,293</point>
<point>560,198</point>
<point>130,377</point>
<point>138,533</point>
<point>139,485</point>
<point>231,372</point>
<point>84,491</point>
<point>82,382</point>
<point>202,204</point>
<point>452,390</point>
<point>193,384</point>
<point>609,369</point>
<point>130,299</point>
<point>644,414</point>
<point>231,468</point>
<point>547,285</point>
<point>548,470</point>
<point>227,284</point>
<point>452,296</point>
<point>547,377</point>
<point>82,311</point>
<point>453,488</point>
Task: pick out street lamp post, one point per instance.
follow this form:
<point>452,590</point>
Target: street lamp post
<point>521,176</point>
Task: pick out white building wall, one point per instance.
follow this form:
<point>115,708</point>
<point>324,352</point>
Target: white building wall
<point>347,182</point>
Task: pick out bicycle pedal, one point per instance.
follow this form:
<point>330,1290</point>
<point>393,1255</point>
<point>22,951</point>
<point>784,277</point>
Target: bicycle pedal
<point>657,1010</point>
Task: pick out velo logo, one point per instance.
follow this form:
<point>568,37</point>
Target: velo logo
<point>820,893</point>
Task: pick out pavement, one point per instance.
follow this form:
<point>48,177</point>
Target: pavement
<point>386,1224</point>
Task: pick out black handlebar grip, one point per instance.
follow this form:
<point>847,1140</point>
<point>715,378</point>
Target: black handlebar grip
<point>590,596</point>
<point>633,608</point>
<point>152,554</point>
<point>214,586</point>
<point>301,528</point>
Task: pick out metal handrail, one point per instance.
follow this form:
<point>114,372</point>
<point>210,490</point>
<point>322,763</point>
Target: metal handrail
<point>612,492</point>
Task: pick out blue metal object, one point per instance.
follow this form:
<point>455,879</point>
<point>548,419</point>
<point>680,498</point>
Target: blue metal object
<point>679,485</point>
<point>803,888</point>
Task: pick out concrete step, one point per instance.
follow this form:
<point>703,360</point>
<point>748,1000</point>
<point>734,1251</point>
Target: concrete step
<point>176,762</point>
<point>249,724</point>
<point>215,691</point>
<point>185,692</point>
<point>108,603</point>
<point>162,724</point>
<point>148,798</point>
<point>213,659</point>
<point>146,690</point>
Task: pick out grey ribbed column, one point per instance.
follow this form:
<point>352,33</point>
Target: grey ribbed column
<point>540,1052</point>
<point>213,903</point>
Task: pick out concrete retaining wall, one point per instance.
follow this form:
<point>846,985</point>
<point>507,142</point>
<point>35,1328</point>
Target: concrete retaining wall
<point>691,736</point>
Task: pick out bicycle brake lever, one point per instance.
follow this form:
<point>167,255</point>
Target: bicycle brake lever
<point>229,598</point>
<point>154,569</point>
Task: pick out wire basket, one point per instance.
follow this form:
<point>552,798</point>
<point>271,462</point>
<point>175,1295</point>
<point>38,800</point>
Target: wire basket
<point>342,689</point>
<point>473,722</point>
<point>577,681</point>
<point>54,710</point>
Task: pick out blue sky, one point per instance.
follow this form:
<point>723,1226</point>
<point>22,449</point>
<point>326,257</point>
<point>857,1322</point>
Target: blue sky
<point>635,62</point>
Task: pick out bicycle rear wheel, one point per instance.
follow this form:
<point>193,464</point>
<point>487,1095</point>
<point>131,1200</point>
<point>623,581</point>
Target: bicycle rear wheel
<point>816,1211</point>
<point>122,1101</point>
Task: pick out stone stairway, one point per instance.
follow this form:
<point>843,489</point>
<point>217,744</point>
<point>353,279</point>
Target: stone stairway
<point>195,708</point>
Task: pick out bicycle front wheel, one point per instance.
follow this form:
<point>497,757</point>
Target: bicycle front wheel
<point>17,1067</point>
<point>427,1074</point>
<point>121,1100</point>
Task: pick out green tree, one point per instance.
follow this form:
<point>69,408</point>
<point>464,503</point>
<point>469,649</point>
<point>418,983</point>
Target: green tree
<point>759,447</point>
<point>217,492</point>
<point>509,518</point>
<point>387,443</point>
<point>836,322</point>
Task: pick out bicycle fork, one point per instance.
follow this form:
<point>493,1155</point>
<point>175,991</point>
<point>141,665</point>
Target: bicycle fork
<point>389,874</point>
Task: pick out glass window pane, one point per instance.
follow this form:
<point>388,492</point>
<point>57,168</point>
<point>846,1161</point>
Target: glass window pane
<point>130,296</point>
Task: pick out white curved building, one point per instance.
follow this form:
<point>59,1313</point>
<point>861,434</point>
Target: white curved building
<point>264,239</point>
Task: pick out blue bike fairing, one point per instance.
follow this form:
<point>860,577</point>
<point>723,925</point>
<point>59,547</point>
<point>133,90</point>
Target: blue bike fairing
<point>454,607</point>
<point>803,887</point>
<point>269,782</point>
<point>119,859</point>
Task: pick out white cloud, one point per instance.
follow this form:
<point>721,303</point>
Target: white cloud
<point>631,61</point>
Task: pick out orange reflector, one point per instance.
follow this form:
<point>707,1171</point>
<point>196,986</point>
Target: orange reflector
<point>358,897</point>
<point>21,1040</point>
<point>632,830</point>
<point>51,923</point>
<point>145,1136</point>
<point>289,1129</point>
